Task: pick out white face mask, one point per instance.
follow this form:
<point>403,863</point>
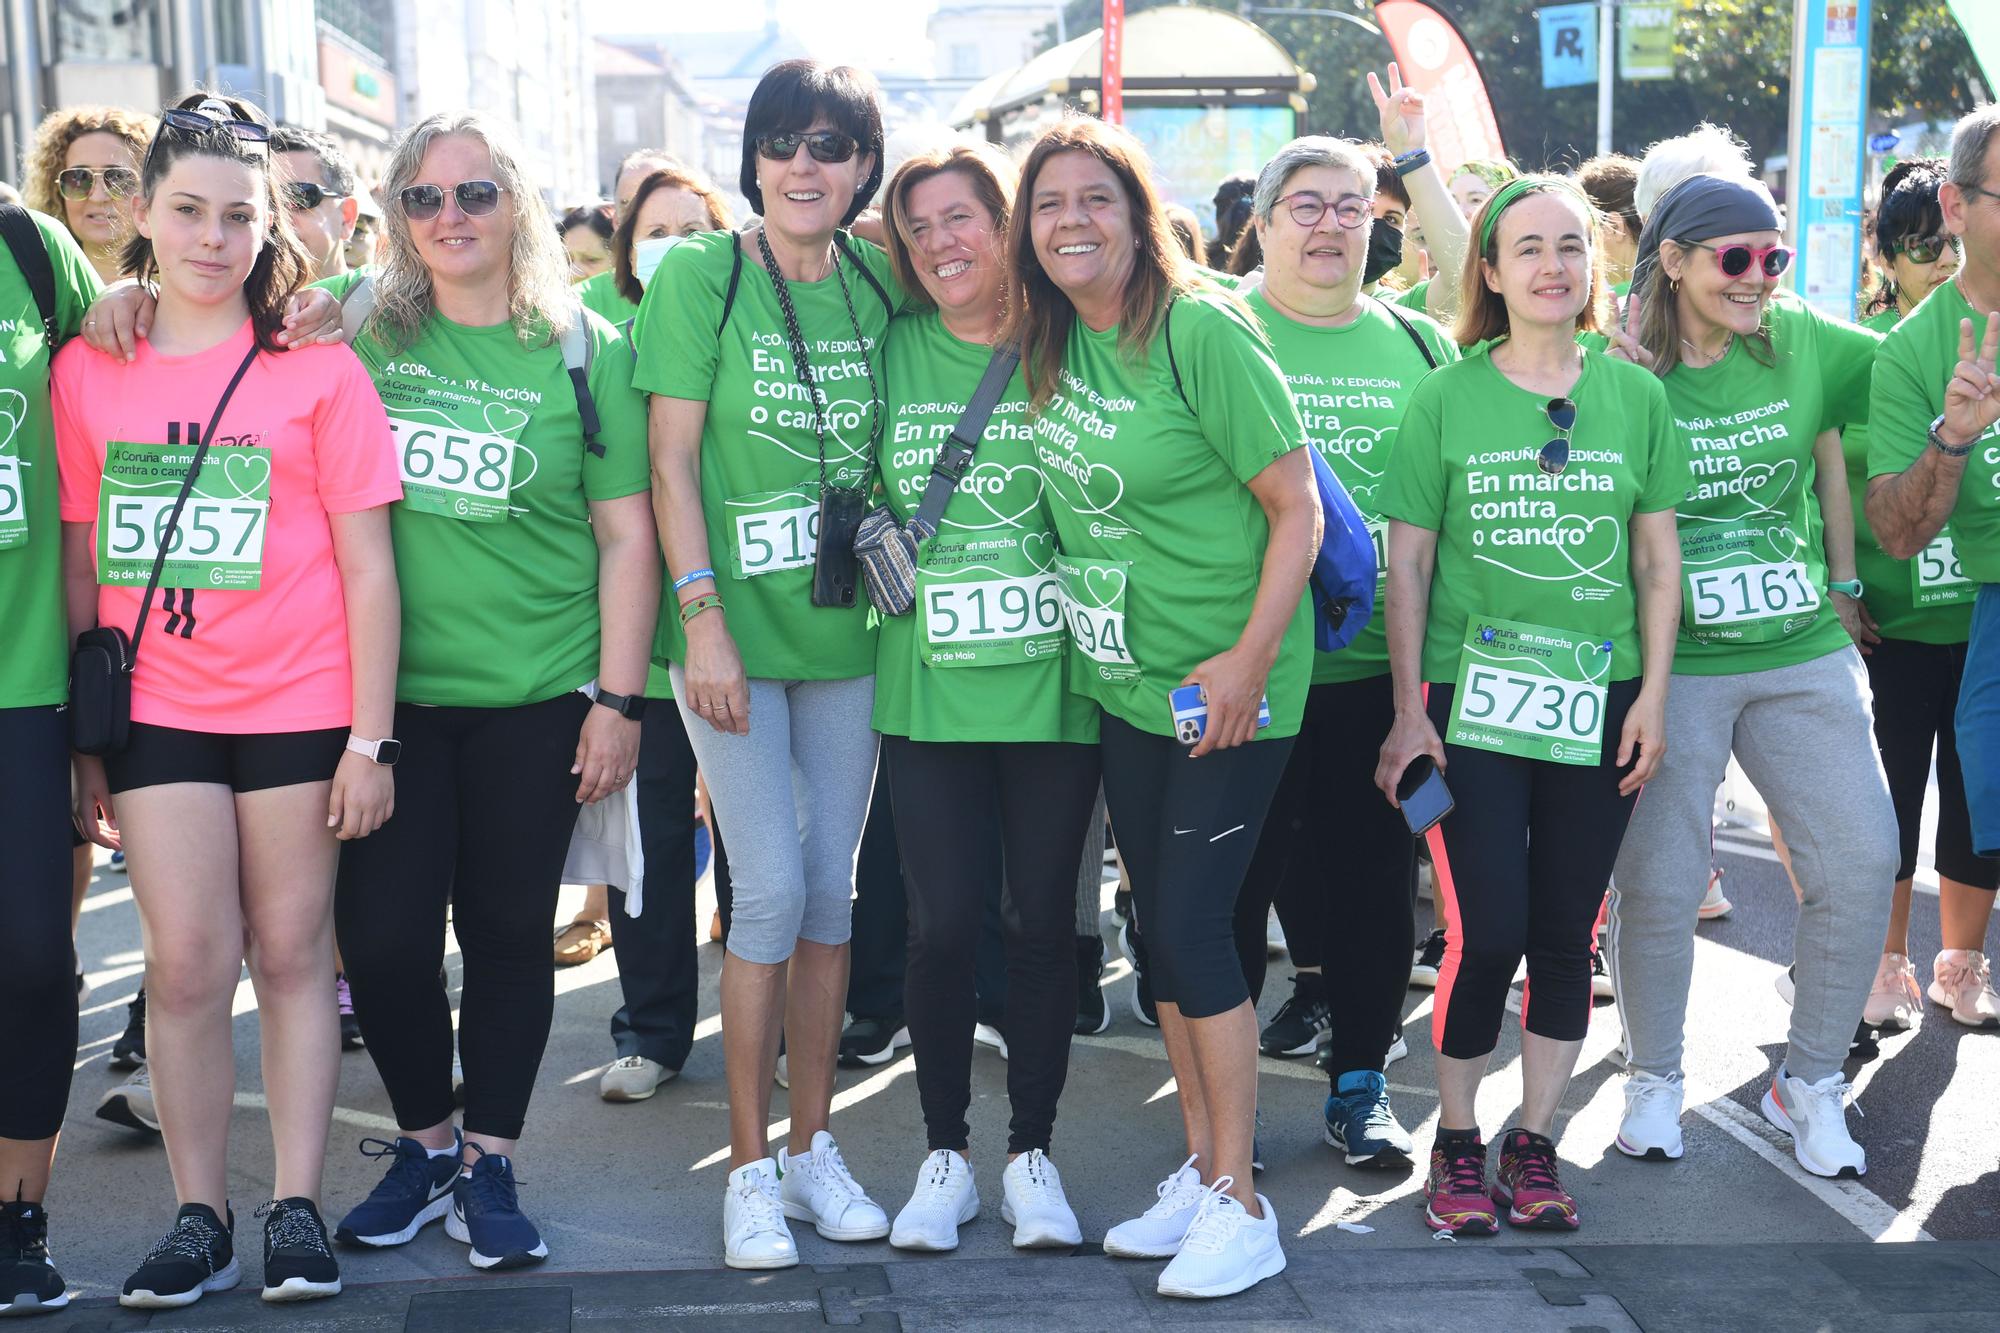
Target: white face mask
<point>647,254</point>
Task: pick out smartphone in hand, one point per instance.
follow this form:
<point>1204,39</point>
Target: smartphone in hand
<point>1423,796</point>
<point>1190,712</point>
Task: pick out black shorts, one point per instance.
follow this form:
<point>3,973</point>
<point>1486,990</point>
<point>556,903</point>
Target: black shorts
<point>253,762</point>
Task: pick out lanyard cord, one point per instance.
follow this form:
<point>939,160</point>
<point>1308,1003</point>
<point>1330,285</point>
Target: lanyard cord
<point>801,364</point>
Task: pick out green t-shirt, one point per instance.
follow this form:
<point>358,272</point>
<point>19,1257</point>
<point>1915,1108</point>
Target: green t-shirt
<point>600,293</point>
<point>981,657</point>
<point>1415,297</point>
<point>1911,373</point>
<point>34,662</point>
<point>1888,583</point>
<point>1351,385</point>
<point>501,612</point>
<point>1514,543</point>
<point>1151,489</point>
<point>1753,550</point>
<point>759,451</point>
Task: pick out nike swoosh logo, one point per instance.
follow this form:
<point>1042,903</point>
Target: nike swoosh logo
<point>1178,830</point>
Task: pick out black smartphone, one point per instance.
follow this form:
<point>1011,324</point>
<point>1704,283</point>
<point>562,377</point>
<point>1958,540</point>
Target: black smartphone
<point>836,571</point>
<point>1422,794</point>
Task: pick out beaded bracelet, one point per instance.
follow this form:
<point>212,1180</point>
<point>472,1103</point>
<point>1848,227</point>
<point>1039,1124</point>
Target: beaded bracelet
<point>692,576</point>
<point>694,606</point>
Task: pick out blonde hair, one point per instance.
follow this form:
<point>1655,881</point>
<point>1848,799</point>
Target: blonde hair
<point>985,167</point>
<point>540,305</point>
<point>61,129</point>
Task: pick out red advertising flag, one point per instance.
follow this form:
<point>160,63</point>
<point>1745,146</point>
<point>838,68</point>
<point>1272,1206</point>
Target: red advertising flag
<point>1112,98</point>
<point>1437,63</point>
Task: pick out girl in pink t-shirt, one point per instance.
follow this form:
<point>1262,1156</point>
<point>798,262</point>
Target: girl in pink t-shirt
<point>265,686</point>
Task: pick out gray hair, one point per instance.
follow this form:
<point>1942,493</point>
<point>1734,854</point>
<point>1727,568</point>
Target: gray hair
<point>540,305</point>
<point>1313,150</point>
<point>1968,146</point>
<point>1706,150</point>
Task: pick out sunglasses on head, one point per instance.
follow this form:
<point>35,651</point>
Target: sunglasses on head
<point>824,145</point>
<point>1554,456</point>
<point>304,195</point>
<point>476,199</point>
<point>1927,249</point>
<point>201,121</point>
<point>1735,260</point>
<point>78,182</point>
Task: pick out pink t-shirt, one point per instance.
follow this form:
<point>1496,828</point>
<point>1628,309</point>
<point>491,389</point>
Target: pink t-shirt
<point>223,660</point>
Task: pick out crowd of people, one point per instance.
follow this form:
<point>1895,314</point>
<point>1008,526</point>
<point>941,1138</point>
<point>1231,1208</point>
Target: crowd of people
<point>935,529</point>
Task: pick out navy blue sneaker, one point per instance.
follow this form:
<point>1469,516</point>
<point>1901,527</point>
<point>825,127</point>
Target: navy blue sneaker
<point>1360,1123</point>
<point>415,1192</point>
<point>486,1214</point>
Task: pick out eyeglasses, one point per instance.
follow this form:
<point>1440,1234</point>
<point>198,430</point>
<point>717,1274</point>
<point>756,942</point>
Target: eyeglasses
<point>1555,454</point>
<point>208,122</point>
<point>79,182</point>
<point>302,196</point>
<point>1307,208</point>
<point>824,145</point>
<point>1927,249</point>
<point>476,199</point>
<point>1735,260</point>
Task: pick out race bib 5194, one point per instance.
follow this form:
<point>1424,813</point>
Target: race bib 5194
<point>1093,605</point>
<point>219,542</point>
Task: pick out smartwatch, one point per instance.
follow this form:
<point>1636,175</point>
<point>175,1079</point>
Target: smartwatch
<point>384,752</point>
<point>1851,587</point>
<point>631,707</point>
<point>1948,450</point>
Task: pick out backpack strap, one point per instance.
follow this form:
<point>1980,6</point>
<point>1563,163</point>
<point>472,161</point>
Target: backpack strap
<point>579,350</point>
<point>840,241</point>
<point>31,256</point>
<point>735,277</point>
<point>356,307</point>
<point>1423,348</point>
<point>1167,330</point>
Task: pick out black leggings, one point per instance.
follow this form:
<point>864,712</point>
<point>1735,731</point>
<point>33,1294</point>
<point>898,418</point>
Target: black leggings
<point>973,818</point>
<point>1346,892</point>
<point>1916,695</point>
<point>37,985</point>
<point>1525,855</point>
<point>485,805</point>
<point>1187,829</point>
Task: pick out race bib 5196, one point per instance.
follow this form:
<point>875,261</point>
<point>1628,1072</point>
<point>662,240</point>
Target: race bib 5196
<point>990,599</point>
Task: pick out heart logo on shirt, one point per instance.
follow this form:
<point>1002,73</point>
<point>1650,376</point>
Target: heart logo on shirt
<point>1592,661</point>
<point>246,472</point>
<point>1092,481</point>
<point>1355,444</point>
<point>1784,543</point>
<point>505,419</point>
<point>1765,485</point>
<point>1586,546</point>
<point>990,481</point>
<point>1040,548</point>
<point>1364,498</point>
<point>13,411</point>
<point>1105,586</point>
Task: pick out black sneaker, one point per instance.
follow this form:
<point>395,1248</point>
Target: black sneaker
<point>1093,1015</point>
<point>1600,978</point>
<point>298,1263</point>
<point>1429,956</point>
<point>872,1041</point>
<point>197,1256</point>
<point>1295,1029</point>
<point>29,1281</point>
<point>129,1051</point>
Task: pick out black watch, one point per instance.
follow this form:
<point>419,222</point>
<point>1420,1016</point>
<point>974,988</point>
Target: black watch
<point>631,707</point>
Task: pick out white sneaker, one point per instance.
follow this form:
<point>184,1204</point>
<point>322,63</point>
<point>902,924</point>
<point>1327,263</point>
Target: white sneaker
<point>1398,1049</point>
<point>1033,1204</point>
<point>780,1075</point>
<point>1815,1115</point>
<point>817,1188</point>
<point>1895,1000</point>
<point>1226,1250</point>
<point>1652,1125</point>
<point>944,1200</point>
<point>1274,936</point>
<point>1962,981</point>
<point>1713,905</point>
<point>131,1103</point>
<point>1157,1232</point>
<point>633,1078</point>
<point>985,1034</point>
<point>754,1234</point>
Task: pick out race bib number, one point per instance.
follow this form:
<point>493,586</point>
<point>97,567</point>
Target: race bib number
<point>13,504</point>
<point>1935,576</point>
<point>1531,691</point>
<point>219,542</point>
<point>1093,606</point>
<point>773,532</point>
<point>1745,584</point>
<point>457,473</point>
<point>1378,532</point>
<point>986,602</point>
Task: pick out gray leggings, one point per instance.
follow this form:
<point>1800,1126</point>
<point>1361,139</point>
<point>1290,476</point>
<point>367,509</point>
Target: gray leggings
<point>793,794</point>
<point>1805,737</point>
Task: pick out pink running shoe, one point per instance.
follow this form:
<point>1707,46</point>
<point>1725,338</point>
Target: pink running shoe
<point>1895,1000</point>
<point>1526,1184</point>
<point>1455,1197</point>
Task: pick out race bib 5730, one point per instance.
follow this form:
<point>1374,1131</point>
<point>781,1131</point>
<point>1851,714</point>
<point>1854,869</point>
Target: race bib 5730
<point>1530,690</point>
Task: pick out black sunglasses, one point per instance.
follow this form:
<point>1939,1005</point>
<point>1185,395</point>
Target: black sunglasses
<point>1555,454</point>
<point>78,182</point>
<point>304,195</point>
<point>476,199</point>
<point>824,145</point>
<point>1923,250</point>
<point>207,122</point>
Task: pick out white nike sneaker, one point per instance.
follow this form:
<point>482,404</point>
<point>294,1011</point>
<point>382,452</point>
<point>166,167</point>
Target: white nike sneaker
<point>1815,1115</point>
<point>944,1200</point>
<point>816,1187</point>
<point>1226,1250</point>
<point>754,1234</point>
<point>1033,1203</point>
<point>1157,1232</point>
<point>1651,1128</point>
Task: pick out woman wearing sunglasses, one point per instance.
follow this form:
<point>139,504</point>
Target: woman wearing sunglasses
<point>1764,665</point>
<point>83,168</point>
<point>530,579</point>
<point>762,350</point>
<point>264,674</point>
<point>1533,584</point>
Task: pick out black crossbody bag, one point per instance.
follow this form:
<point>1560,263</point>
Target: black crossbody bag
<point>100,670</point>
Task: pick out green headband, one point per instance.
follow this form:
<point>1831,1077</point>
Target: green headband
<point>1506,196</point>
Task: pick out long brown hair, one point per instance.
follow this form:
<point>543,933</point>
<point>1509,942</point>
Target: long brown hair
<point>1482,312</point>
<point>992,179</point>
<point>1039,314</point>
<point>626,236</point>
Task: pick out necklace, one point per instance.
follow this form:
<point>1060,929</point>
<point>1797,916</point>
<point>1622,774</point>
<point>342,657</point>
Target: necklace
<point>1727,341</point>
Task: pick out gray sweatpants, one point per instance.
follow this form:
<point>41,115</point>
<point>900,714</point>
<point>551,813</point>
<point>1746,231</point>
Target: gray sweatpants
<point>793,794</point>
<point>1805,737</point>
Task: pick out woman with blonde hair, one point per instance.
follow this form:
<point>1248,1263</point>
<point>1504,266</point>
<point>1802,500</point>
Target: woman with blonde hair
<point>83,168</point>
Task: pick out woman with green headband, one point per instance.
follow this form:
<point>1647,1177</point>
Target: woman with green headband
<point>1533,586</point>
